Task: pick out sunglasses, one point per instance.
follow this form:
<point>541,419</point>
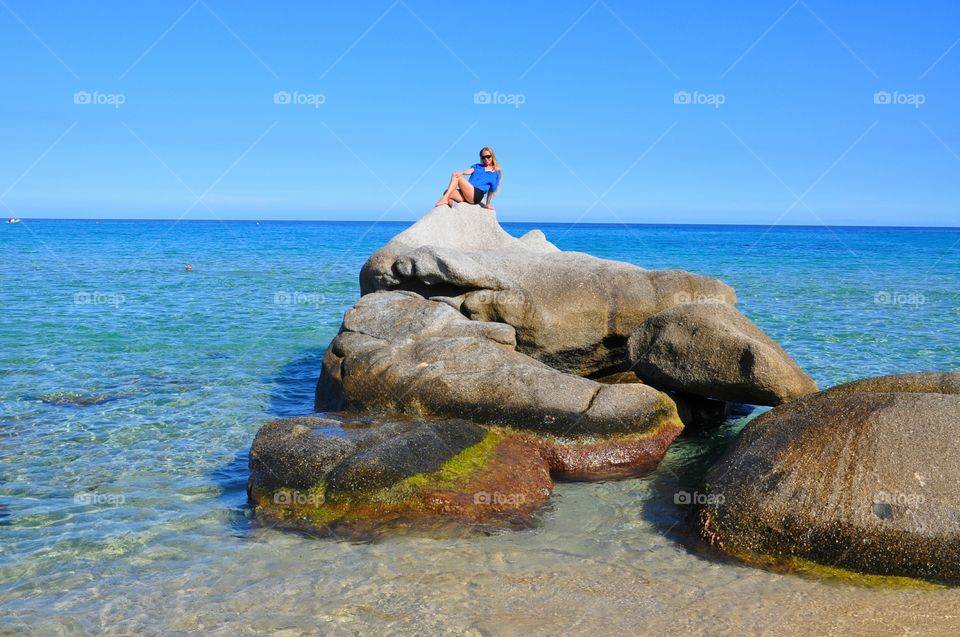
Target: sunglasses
<point>485,156</point>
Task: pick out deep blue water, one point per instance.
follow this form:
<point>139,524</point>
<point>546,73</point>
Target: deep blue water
<point>180,368</point>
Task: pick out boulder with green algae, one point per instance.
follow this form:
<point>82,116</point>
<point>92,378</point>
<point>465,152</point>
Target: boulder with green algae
<point>863,477</point>
<point>420,472</point>
<point>415,471</point>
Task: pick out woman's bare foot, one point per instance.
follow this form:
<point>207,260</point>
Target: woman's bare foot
<point>444,201</point>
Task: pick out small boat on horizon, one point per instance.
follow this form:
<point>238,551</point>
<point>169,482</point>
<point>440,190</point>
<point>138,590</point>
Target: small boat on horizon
<point>14,220</point>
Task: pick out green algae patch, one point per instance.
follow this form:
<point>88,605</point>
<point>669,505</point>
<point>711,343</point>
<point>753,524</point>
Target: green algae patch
<point>457,471</point>
<point>815,570</point>
<point>793,565</point>
<point>499,482</point>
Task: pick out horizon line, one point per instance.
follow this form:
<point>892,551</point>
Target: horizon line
<point>533,222</point>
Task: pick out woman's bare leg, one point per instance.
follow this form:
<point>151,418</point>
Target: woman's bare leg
<point>451,188</point>
<point>466,190</point>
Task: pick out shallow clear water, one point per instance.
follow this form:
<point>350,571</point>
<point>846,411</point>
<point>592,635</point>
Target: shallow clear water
<point>125,513</point>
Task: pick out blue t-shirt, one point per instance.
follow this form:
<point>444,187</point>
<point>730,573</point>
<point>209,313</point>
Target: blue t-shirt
<point>483,180</point>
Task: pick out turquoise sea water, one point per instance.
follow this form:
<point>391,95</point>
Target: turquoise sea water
<point>131,390</point>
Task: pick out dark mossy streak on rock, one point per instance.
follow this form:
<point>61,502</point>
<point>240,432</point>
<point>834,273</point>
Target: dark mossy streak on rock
<point>422,449</point>
<point>862,477</point>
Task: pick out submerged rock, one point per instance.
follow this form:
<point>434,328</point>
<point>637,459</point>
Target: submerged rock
<point>712,350</point>
<point>76,399</point>
<point>863,476</point>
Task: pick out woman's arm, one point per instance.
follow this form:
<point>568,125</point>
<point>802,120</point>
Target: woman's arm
<point>492,191</point>
<point>468,171</point>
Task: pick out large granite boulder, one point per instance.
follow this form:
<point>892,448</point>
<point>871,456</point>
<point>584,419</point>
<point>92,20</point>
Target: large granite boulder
<point>712,350</point>
<point>401,353</point>
<point>863,476</point>
<point>570,310</point>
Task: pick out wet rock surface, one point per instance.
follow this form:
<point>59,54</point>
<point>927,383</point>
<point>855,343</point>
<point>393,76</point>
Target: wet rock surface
<point>862,476</point>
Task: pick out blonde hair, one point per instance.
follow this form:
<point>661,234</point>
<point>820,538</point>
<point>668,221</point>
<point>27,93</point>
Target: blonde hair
<point>493,160</point>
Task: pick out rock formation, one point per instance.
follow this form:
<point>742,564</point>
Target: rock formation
<point>863,476</point>
<point>712,350</point>
<point>492,365</point>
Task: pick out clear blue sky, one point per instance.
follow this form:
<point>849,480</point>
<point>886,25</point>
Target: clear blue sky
<point>598,136</point>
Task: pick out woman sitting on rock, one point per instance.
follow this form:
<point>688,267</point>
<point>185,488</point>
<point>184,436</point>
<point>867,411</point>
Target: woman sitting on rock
<point>484,180</point>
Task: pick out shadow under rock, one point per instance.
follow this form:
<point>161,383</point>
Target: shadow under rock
<point>294,385</point>
<point>292,394</point>
<point>678,482</point>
